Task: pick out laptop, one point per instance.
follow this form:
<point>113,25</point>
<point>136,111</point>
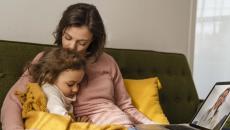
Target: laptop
<point>212,115</point>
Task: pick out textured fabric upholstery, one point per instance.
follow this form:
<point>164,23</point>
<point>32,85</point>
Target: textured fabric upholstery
<point>178,97</point>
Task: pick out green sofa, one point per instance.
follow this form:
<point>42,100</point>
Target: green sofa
<point>178,97</point>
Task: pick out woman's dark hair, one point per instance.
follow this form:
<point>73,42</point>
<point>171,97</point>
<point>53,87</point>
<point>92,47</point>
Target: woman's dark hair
<point>227,89</point>
<point>53,62</point>
<point>82,14</point>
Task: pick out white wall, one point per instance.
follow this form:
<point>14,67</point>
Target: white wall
<point>161,25</point>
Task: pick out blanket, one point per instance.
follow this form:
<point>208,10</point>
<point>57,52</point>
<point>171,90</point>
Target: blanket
<point>36,117</point>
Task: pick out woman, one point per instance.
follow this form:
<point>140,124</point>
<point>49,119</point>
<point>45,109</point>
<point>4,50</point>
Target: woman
<point>209,119</point>
<point>103,97</point>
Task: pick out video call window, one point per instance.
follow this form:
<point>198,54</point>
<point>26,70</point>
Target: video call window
<point>216,108</point>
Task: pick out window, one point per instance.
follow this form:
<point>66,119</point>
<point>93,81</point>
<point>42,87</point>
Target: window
<point>212,44</point>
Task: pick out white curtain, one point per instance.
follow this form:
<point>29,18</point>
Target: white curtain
<point>212,44</point>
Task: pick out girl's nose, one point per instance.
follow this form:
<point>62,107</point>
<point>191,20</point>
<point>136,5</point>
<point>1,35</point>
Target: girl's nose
<point>75,88</point>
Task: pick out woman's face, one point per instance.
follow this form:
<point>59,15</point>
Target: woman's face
<point>77,38</point>
<point>222,98</point>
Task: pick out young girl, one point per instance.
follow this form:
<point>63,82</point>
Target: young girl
<point>59,72</point>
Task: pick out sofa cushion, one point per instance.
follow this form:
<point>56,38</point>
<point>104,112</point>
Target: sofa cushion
<point>145,97</point>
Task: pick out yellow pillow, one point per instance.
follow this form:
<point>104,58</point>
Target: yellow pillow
<point>145,97</point>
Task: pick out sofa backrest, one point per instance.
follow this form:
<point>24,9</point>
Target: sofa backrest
<point>178,96</point>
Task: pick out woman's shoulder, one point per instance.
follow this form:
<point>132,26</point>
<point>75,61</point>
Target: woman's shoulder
<point>104,61</point>
<point>106,57</point>
<point>38,56</point>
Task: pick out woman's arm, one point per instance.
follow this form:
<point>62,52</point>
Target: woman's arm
<point>122,98</point>
<point>11,109</point>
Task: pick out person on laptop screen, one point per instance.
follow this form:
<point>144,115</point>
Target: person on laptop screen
<point>210,118</point>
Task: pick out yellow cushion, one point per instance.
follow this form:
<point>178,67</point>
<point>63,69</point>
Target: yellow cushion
<point>145,97</point>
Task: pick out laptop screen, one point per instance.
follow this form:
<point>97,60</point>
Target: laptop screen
<point>216,108</point>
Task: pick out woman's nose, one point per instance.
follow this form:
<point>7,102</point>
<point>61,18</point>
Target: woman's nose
<point>73,46</point>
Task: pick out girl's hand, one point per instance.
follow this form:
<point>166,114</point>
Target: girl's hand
<point>83,119</point>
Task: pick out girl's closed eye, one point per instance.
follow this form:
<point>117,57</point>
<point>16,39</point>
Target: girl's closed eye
<point>73,84</point>
<point>70,84</point>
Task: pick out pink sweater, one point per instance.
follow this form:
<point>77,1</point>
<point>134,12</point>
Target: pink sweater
<point>103,98</point>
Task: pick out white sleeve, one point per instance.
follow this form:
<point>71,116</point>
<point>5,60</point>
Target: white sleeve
<point>54,104</point>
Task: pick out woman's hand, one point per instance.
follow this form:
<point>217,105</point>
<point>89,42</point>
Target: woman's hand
<point>83,119</point>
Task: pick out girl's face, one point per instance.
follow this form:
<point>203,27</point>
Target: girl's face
<point>77,38</point>
<point>68,81</point>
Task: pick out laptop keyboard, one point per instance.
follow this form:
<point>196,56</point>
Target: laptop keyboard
<point>178,127</point>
